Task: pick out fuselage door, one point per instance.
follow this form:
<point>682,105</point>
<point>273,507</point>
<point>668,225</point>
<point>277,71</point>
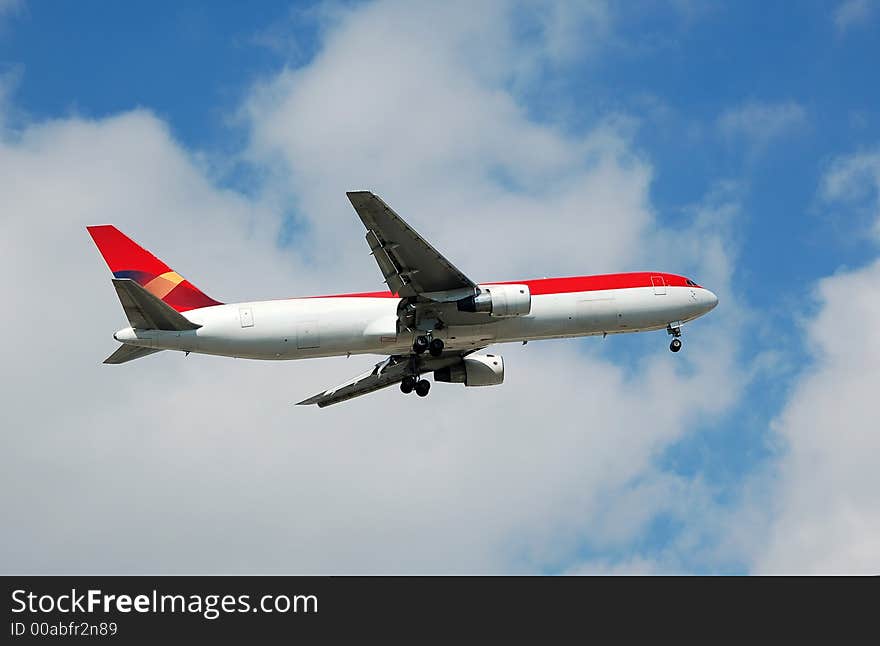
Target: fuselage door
<point>659,285</point>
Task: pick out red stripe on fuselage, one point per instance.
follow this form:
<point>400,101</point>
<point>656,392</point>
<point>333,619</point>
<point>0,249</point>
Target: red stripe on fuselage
<point>542,286</point>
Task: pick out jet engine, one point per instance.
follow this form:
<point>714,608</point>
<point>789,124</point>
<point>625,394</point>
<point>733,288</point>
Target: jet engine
<point>499,300</point>
<point>474,370</point>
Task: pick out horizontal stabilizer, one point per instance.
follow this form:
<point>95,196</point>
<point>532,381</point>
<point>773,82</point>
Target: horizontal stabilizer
<point>145,311</point>
<point>129,353</point>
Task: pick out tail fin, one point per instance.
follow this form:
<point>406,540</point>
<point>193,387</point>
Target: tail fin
<point>127,259</point>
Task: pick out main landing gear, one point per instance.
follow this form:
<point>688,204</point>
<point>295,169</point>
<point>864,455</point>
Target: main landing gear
<point>421,344</point>
<point>410,383</point>
<point>433,346</point>
<point>675,330</point>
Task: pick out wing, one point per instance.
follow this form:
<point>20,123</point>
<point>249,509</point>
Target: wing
<point>386,373</point>
<point>410,265</point>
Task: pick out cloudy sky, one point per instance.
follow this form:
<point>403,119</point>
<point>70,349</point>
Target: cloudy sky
<point>737,143</point>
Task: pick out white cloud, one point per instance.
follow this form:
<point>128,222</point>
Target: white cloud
<point>203,464</point>
<point>825,517</point>
<point>851,13</point>
<point>855,180</point>
<point>437,134</point>
<point>760,123</point>
<point>635,566</point>
<point>814,508</point>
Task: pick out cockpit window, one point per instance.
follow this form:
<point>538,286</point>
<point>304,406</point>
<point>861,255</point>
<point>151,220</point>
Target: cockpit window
<point>690,282</point>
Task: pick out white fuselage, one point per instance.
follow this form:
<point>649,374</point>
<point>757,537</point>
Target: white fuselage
<point>302,328</point>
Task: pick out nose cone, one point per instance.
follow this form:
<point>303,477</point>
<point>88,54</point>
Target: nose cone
<point>710,300</point>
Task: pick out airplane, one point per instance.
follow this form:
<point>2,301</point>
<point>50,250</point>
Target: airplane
<point>431,318</point>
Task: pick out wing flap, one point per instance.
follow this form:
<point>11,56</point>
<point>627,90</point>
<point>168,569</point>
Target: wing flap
<point>394,275</point>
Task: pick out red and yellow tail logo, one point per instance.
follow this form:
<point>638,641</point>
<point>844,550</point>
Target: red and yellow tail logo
<point>127,259</point>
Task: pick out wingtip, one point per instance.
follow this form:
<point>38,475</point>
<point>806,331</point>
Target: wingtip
<point>354,195</point>
<point>314,399</point>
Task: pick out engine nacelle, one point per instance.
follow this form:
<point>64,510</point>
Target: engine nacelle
<point>474,370</point>
<point>499,300</point>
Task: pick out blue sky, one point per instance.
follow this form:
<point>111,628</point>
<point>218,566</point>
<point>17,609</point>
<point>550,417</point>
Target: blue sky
<point>193,62</point>
<point>741,105</point>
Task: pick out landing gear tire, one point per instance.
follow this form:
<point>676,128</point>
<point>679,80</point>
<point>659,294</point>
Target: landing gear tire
<point>407,385</point>
<point>422,387</point>
<point>436,347</point>
<point>420,344</point>
<point>675,345</point>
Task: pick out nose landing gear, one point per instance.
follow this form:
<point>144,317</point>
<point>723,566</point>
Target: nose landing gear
<point>675,330</point>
